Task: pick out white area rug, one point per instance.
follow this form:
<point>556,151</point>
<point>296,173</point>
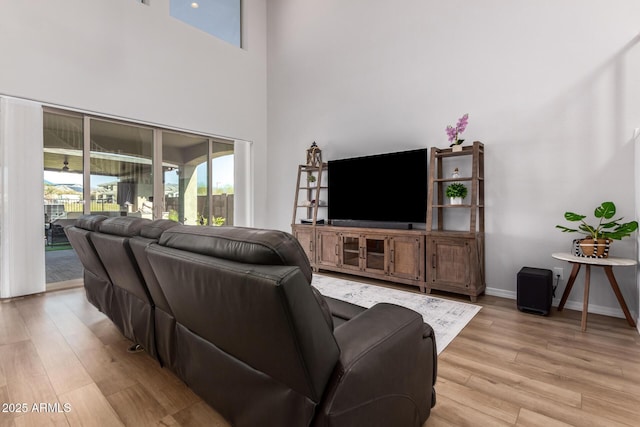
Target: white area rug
<point>447,318</point>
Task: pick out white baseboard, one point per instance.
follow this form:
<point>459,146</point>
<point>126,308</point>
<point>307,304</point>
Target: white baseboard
<point>571,305</point>
<point>500,293</point>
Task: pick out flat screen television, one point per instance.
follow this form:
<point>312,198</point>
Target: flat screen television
<point>385,188</point>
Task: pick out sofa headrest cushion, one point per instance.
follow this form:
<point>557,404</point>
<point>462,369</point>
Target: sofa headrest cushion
<point>90,222</point>
<point>154,229</point>
<point>240,244</point>
<point>126,226</point>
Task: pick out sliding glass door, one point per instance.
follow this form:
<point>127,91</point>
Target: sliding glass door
<point>184,171</point>
<point>107,167</point>
<point>222,183</point>
<point>115,168</point>
<point>190,196</point>
<point>63,166</point>
<point>121,169</point>
<point>63,192</point>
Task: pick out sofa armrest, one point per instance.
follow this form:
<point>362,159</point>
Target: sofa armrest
<point>386,371</point>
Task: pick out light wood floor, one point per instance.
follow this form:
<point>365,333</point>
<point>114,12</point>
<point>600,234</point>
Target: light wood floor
<point>505,368</point>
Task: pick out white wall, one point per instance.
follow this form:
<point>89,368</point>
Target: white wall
<point>551,88</point>
<point>128,60</point>
<point>133,61</point>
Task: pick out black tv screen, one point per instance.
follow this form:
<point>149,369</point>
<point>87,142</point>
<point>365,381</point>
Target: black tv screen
<point>388,187</point>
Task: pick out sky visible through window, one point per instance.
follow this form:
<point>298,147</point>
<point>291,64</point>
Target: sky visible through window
<point>220,18</point>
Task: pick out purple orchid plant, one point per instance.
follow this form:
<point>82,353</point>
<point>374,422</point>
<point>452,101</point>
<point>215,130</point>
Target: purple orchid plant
<point>454,132</point>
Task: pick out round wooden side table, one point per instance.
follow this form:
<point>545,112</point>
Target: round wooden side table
<point>607,264</point>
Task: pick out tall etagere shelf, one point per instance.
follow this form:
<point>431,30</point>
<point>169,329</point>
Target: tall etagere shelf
<point>310,198</point>
<point>455,257</point>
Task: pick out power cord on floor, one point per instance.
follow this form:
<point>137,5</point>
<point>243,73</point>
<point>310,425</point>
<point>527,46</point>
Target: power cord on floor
<point>556,286</point>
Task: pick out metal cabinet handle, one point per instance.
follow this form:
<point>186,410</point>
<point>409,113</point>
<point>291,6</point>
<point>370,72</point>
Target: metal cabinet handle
<point>433,260</point>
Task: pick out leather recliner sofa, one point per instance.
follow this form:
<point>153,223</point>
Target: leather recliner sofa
<point>119,284</point>
<point>250,335</point>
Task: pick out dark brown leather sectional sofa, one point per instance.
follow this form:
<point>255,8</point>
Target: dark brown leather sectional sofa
<point>231,311</point>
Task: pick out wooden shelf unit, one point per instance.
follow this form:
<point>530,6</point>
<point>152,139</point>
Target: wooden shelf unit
<point>311,193</point>
<point>455,258</point>
<point>305,233</point>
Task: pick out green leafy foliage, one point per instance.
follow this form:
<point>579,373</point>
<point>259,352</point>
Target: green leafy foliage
<point>456,190</point>
<point>605,229</point>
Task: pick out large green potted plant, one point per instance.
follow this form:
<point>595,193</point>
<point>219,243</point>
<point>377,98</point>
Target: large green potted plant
<point>599,236</point>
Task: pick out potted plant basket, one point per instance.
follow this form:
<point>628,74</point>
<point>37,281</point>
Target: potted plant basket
<point>456,192</point>
<point>599,237</point>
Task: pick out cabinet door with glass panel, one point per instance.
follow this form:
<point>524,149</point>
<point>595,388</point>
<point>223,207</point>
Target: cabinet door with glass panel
<point>350,251</point>
<point>363,252</point>
<point>374,253</point>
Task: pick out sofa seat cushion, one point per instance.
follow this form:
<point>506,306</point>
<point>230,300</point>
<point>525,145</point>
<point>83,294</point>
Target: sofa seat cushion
<point>342,311</point>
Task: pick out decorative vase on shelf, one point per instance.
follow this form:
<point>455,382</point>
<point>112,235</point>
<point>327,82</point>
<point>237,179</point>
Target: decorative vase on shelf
<point>455,200</point>
<point>457,147</point>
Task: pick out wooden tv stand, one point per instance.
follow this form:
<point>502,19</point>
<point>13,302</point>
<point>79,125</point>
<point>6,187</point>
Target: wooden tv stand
<point>441,257</point>
<point>385,254</point>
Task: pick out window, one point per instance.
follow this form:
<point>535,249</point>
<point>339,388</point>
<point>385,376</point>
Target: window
<point>220,18</point>
<point>184,169</point>
<point>115,168</point>
<point>190,197</point>
<point>63,166</point>
<point>222,189</point>
<point>121,169</point>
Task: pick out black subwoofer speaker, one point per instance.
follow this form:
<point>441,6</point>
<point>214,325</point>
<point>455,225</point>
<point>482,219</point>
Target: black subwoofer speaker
<point>535,290</point>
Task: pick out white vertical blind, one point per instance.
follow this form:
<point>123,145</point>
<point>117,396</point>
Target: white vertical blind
<point>636,147</point>
<point>22,268</point>
<point>243,183</point>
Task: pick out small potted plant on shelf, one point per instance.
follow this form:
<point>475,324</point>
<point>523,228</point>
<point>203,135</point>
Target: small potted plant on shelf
<point>311,180</point>
<point>598,237</point>
<point>456,192</point>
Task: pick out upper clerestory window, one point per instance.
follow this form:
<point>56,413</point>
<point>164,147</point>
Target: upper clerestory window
<point>220,18</point>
